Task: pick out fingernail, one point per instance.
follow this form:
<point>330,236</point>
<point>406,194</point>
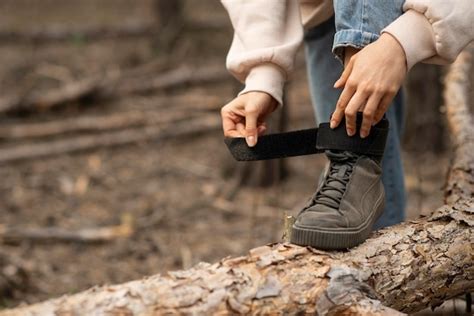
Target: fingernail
<point>363,133</point>
<point>332,124</point>
<point>251,141</point>
<point>350,132</point>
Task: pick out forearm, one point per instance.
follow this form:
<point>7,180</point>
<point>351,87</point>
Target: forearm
<point>267,35</point>
<point>433,31</point>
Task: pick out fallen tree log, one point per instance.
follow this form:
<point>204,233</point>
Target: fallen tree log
<point>407,267</point>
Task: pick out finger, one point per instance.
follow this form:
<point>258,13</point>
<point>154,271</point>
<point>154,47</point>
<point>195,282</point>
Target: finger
<point>261,127</point>
<point>240,127</point>
<point>383,107</point>
<point>345,75</point>
<point>356,102</point>
<point>251,118</point>
<point>341,104</point>
<point>229,119</point>
<point>369,114</point>
<point>228,125</point>
<point>233,134</point>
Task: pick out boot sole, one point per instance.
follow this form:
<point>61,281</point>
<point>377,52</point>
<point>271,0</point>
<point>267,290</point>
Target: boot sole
<point>335,239</point>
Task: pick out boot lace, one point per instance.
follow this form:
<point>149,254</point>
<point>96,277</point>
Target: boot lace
<point>335,183</point>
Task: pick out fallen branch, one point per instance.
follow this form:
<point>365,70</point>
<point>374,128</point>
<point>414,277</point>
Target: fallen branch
<point>43,36</point>
<point>204,123</point>
<point>97,123</point>
<point>111,85</point>
<point>181,76</point>
<point>84,235</point>
<point>69,92</point>
<point>407,267</point>
<point>130,30</point>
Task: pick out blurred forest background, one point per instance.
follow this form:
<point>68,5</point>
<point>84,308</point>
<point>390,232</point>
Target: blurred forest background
<point>112,162</point>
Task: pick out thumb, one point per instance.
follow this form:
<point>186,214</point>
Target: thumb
<point>251,132</point>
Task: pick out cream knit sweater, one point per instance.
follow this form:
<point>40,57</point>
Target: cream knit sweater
<point>269,32</point>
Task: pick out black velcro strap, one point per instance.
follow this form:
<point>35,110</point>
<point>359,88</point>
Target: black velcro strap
<point>282,145</point>
<point>311,141</point>
<point>337,139</point>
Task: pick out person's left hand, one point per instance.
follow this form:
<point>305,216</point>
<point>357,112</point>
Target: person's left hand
<point>371,79</point>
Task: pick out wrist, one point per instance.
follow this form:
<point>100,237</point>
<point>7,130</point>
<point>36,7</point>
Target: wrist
<point>262,97</point>
<point>266,78</point>
<point>415,34</point>
<point>395,48</point>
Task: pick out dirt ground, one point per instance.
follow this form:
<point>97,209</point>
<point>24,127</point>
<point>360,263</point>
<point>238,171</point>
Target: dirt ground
<point>168,188</point>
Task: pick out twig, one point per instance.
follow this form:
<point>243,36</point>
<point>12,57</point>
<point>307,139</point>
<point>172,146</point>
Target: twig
<point>287,226</point>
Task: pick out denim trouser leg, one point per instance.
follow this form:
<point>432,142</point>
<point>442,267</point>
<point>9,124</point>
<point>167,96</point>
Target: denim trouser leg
<point>323,70</point>
<point>359,22</point>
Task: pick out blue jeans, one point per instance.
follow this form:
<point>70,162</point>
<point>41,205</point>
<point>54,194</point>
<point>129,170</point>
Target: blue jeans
<point>357,24</point>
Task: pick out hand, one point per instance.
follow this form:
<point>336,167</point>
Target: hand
<point>245,116</point>
<point>371,79</point>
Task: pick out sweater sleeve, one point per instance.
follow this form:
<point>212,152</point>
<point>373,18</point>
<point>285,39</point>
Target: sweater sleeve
<point>267,34</point>
<point>434,31</point>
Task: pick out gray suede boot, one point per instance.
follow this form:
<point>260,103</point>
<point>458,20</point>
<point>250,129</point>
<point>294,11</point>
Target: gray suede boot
<point>349,199</point>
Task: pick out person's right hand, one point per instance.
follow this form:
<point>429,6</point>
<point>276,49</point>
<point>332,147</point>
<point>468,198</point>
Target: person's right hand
<point>245,115</point>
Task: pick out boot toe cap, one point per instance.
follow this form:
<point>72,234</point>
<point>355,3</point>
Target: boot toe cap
<point>320,219</point>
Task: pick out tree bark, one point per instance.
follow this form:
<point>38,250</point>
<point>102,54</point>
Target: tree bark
<point>407,267</point>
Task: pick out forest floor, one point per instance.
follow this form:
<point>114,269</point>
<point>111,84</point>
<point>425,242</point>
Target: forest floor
<point>171,190</point>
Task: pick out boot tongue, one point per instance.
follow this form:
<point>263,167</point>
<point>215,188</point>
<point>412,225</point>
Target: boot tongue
<point>339,155</point>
